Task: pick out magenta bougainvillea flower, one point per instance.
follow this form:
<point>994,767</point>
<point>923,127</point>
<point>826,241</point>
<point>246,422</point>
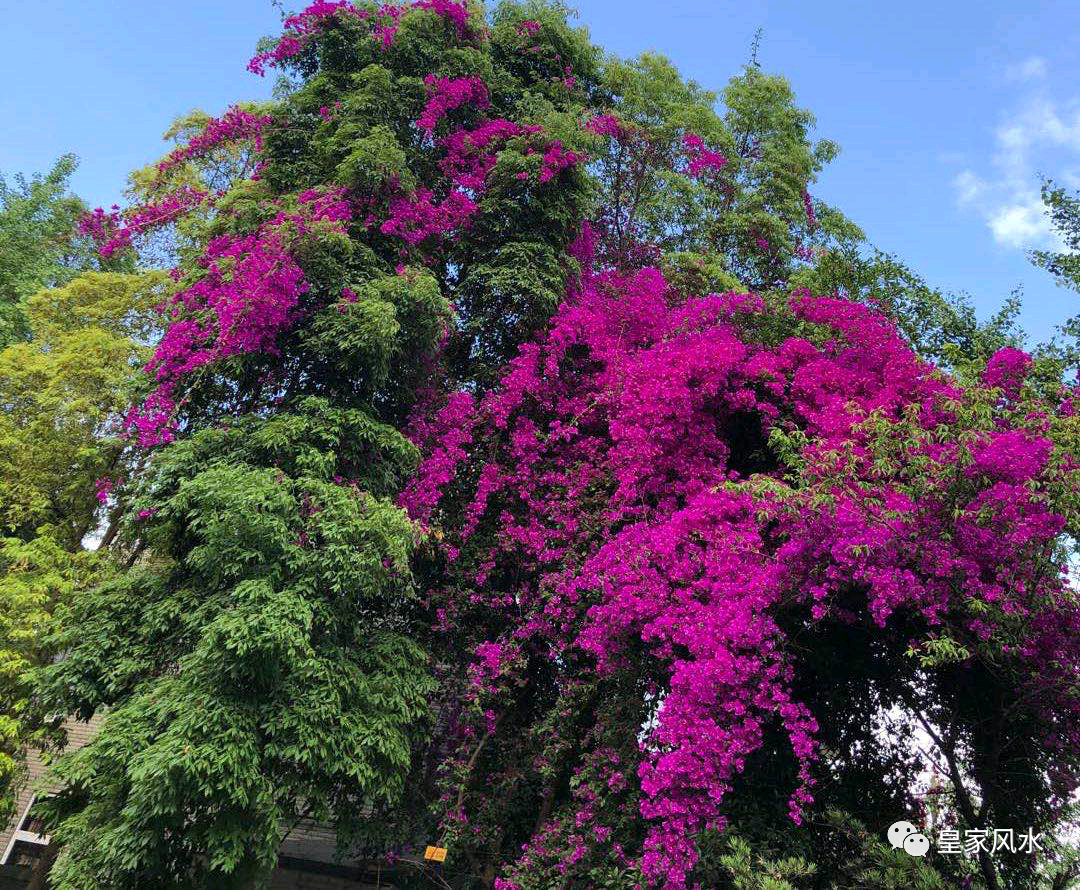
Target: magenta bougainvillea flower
<point>611,480</point>
<point>657,482</point>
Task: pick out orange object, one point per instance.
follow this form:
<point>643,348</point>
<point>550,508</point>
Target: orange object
<point>435,854</point>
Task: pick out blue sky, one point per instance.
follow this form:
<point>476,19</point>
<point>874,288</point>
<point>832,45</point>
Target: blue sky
<point>946,113</point>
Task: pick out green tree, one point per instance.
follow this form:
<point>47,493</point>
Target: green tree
<point>749,212</point>
<point>941,327</point>
<point>39,245</point>
<point>265,657</point>
<point>35,577</point>
<point>267,654</point>
<point>259,667</point>
<point>1064,212</point>
<point>63,394</point>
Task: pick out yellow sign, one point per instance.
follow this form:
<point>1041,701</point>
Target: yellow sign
<point>435,854</point>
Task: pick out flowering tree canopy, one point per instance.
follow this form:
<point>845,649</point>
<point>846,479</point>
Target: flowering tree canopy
<point>531,465</point>
<point>664,495</point>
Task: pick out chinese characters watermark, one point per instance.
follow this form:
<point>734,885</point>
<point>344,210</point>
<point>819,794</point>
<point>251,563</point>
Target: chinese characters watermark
<point>951,841</point>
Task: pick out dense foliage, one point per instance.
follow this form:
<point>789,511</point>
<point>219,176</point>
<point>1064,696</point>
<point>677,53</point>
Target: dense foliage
<point>1063,210</point>
<point>38,247</point>
<point>672,490</point>
<point>69,367</point>
<point>264,652</point>
<point>525,459</point>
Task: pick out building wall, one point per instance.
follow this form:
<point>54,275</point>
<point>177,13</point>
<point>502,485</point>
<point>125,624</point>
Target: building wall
<point>308,863</point>
<point>78,735</point>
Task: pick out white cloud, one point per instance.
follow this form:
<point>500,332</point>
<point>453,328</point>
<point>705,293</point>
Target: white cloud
<point>968,187</point>
<point>1033,68</point>
<point>1020,224</point>
<point>1038,135</point>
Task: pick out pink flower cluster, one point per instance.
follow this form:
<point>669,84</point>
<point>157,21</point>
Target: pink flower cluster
<point>234,126</point>
<point>115,230</point>
<point>454,11</point>
<point>302,28</point>
<point>99,225</point>
<point>446,94</point>
<point>447,434</point>
<point>386,24</point>
<point>808,205</point>
<point>246,296</point>
<point>420,216</point>
<point>1007,370</point>
<point>299,31</point>
<point>606,474</point>
<point>327,112</point>
<point>700,158</point>
<point>558,158</point>
<point>606,125</point>
<point>468,159</point>
<point>103,488</point>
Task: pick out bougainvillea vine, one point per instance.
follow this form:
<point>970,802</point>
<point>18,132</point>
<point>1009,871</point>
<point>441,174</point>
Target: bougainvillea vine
<point>614,482</point>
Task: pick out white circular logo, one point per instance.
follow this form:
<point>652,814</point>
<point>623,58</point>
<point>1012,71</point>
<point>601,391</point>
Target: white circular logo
<point>899,832</point>
<point>916,844</point>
